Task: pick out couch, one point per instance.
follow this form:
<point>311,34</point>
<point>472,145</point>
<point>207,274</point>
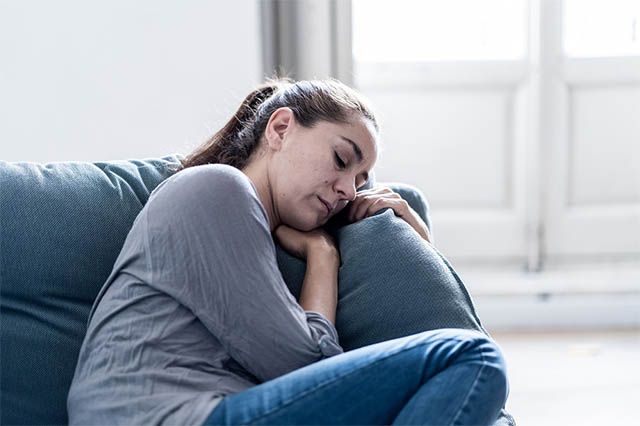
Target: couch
<point>62,225</point>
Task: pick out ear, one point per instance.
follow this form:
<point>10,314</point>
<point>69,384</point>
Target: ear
<point>280,122</point>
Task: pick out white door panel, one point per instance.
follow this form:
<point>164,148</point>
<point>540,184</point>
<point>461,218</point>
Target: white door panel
<point>425,143</point>
<point>593,187</point>
<point>461,149</point>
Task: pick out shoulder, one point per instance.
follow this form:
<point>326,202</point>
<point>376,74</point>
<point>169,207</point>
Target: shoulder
<point>213,177</point>
<point>213,186</point>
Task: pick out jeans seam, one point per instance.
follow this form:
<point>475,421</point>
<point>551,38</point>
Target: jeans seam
<point>475,382</point>
<point>335,379</point>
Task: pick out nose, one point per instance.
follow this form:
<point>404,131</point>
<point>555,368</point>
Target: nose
<point>347,187</point>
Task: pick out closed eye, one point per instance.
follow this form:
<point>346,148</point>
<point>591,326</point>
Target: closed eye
<point>339,161</point>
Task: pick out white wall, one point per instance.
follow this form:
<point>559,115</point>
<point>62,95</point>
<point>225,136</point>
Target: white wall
<point>111,80</point>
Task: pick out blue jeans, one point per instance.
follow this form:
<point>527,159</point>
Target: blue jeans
<point>448,376</point>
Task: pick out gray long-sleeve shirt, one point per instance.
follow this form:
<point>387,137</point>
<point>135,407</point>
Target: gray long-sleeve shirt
<point>194,309</point>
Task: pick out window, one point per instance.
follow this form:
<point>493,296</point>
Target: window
<point>438,30</point>
<point>596,28</point>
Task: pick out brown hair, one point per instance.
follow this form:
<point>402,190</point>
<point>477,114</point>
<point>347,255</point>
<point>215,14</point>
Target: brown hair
<point>310,101</point>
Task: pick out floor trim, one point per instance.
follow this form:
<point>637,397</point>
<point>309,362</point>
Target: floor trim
<point>563,296</point>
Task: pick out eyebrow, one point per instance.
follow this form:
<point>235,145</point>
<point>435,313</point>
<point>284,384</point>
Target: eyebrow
<point>358,152</point>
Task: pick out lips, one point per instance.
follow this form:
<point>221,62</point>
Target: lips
<point>326,205</point>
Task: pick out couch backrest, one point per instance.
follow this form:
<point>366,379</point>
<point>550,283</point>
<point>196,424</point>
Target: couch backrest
<point>62,226</point>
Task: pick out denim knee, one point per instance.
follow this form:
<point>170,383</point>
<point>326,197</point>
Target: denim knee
<point>494,359</point>
<point>475,342</point>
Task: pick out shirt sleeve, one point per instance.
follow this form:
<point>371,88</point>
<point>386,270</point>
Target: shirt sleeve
<point>210,247</point>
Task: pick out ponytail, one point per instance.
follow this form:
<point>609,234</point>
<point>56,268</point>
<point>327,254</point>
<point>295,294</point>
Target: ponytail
<point>234,143</point>
<point>310,101</point>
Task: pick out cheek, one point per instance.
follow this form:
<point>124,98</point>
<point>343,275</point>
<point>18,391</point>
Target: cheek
<point>312,180</point>
<point>305,180</point>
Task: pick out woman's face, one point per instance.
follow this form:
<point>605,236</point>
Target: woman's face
<point>316,171</point>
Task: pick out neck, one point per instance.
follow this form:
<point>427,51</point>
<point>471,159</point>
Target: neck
<point>257,172</point>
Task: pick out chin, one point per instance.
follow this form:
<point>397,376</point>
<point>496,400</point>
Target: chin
<point>306,227</point>
<point>304,224</point>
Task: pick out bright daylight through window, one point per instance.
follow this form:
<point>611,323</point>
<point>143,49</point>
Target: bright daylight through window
<point>596,28</point>
<point>421,30</point>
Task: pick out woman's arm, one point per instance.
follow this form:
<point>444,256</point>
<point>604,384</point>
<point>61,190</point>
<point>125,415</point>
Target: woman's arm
<point>320,286</point>
<point>209,247</point>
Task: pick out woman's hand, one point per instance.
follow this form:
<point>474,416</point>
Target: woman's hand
<point>369,201</point>
<point>301,244</point>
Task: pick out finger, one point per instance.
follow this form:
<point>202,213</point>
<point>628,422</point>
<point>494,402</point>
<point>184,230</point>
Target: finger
<point>353,206</point>
<point>368,192</point>
<point>360,207</point>
<point>397,205</point>
<point>376,190</point>
<point>376,206</point>
<point>365,198</point>
<point>366,205</point>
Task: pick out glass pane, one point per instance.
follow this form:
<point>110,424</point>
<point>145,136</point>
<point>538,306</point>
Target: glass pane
<point>438,30</point>
<point>595,28</point>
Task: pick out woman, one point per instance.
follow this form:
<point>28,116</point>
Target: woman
<point>195,324</point>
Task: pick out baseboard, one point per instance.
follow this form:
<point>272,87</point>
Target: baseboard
<point>558,311</point>
<point>563,296</point>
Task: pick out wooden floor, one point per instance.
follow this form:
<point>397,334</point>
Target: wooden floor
<point>573,377</point>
